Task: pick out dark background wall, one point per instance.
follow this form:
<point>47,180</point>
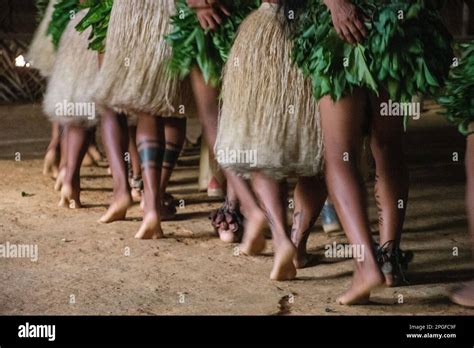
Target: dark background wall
<point>17,17</point>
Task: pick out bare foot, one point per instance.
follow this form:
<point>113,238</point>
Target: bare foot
<point>150,228</point>
<point>117,210</point>
<point>69,198</point>
<point>283,267</point>
<point>93,151</point>
<point>253,242</point>
<point>364,281</point>
<point>50,168</point>
<point>60,180</point>
<point>464,296</point>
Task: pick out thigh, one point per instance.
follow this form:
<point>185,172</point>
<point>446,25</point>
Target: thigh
<point>342,123</point>
<point>385,130</point>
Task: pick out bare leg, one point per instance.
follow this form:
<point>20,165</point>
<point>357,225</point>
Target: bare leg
<point>63,134</point>
<point>115,139</point>
<point>237,189</point>
<point>135,163</point>
<point>465,295</point>
<point>78,142</point>
<point>342,126</point>
<point>310,195</point>
<point>391,177</point>
<point>93,150</point>
<point>272,197</point>
<point>132,149</point>
<point>175,135</point>
<point>150,142</point>
<point>50,167</point>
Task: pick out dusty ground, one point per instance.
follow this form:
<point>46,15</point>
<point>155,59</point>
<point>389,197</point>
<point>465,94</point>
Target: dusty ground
<point>191,271</point>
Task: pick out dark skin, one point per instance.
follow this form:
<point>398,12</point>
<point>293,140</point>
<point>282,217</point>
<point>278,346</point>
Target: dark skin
<point>310,195</point>
<point>63,140</point>
<point>134,159</point>
<point>272,197</point>
<point>73,149</point>
<point>175,135</point>
<point>207,100</point>
<point>347,21</point>
<point>342,125</point>
<point>78,143</point>
<point>151,146</point>
<point>52,153</point>
<point>115,138</point>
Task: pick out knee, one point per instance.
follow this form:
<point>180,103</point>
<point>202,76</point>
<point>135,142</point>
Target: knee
<point>341,156</point>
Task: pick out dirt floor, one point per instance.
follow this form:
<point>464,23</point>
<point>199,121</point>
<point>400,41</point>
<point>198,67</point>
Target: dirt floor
<point>83,267</point>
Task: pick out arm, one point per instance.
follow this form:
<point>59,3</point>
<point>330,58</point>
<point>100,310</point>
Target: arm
<point>208,13</point>
<point>346,20</point>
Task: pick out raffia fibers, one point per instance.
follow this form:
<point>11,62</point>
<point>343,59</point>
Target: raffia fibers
<point>72,78</point>
<point>134,75</point>
<point>267,104</point>
<point>41,53</point>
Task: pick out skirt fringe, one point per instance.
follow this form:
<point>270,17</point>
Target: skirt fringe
<point>41,53</point>
<point>69,94</point>
<point>135,74</point>
<point>269,120</point>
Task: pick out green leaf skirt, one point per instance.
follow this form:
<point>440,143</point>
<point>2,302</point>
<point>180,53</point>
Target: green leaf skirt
<point>209,50</point>
<point>64,11</point>
<point>458,99</point>
<point>408,50</point>
<point>97,17</point>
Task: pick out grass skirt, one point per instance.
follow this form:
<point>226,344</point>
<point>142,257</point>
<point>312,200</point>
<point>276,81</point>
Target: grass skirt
<point>269,120</point>
<point>207,49</point>
<point>68,98</point>
<point>41,53</point>
<point>135,75</point>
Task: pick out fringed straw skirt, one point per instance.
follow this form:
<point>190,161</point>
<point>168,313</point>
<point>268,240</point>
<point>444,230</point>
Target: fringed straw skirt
<point>135,74</point>
<point>69,94</point>
<point>41,53</point>
<point>269,121</point>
